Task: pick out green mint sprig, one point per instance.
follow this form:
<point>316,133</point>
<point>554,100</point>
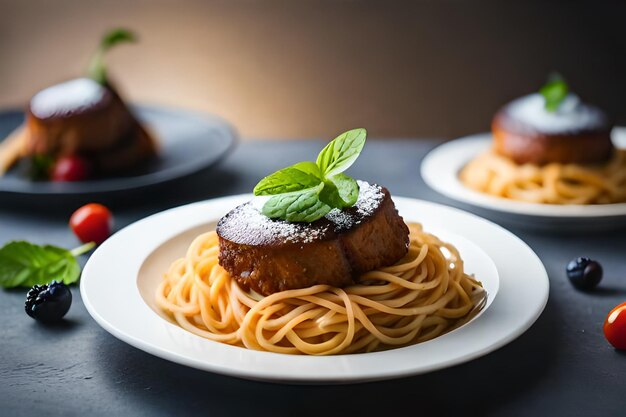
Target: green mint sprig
<point>24,264</point>
<point>554,92</point>
<point>97,69</point>
<point>307,191</point>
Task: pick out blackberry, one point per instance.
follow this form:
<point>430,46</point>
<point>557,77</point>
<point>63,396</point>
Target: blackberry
<point>49,302</point>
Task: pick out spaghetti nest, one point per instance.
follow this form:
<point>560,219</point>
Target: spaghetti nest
<point>422,296</point>
<point>550,184</point>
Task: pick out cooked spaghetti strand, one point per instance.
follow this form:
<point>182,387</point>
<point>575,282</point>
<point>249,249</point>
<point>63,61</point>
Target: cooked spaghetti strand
<point>422,296</point>
<point>550,184</point>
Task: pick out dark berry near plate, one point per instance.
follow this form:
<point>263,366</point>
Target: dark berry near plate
<point>48,303</point>
<point>584,273</point>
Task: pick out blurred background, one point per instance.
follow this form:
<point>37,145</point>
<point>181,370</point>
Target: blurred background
<point>312,68</point>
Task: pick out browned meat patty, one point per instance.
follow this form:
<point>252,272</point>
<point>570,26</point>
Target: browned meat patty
<point>525,144</point>
<point>81,117</point>
<point>274,255</point>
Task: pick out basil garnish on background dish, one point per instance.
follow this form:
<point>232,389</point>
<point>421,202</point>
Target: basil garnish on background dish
<point>554,92</point>
<point>307,191</point>
<point>97,68</point>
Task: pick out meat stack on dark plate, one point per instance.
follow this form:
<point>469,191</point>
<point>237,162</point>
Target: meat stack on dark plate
<point>85,118</point>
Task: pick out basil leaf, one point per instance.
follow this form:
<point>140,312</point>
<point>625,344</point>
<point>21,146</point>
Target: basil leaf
<point>276,207</point>
<point>307,191</point>
<point>97,69</point>
<point>116,36</point>
<point>347,188</point>
<point>303,206</point>
<point>340,191</point>
<point>307,208</point>
<point>309,167</point>
<point>554,92</point>
<point>40,166</point>
<point>341,152</point>
<point>294,178</point>
<point>25,264</point>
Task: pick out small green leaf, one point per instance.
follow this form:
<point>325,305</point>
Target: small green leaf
<point>40,166</point>
<point>97,69</point>
<point>307,208</point>
<point>25,264</point>
<point>116,36</point>
<point>302,206</point>
<point>307,191</point>
<point>276,207</point>
<point>340,191</point>
<point>554,92</point>
<point>341,152</point>
<point>309,168</point>
<point>294,178</point>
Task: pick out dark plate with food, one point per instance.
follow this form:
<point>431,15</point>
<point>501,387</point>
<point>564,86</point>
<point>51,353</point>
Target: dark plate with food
<point>188,142</point>
<point>80,137</point>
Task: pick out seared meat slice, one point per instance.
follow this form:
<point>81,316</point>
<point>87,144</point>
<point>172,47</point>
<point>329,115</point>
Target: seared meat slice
<point>82,117</point>
<point>523,142</point>
<point>274,255</point>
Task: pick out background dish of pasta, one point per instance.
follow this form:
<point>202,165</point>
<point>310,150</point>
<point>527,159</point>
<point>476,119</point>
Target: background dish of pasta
<point>442,166</point>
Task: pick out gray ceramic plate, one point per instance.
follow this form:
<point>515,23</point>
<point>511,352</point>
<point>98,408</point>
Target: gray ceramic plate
<point>188,142</point>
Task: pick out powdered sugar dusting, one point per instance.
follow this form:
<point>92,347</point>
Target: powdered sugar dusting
<point>67,98</point>
<point>247,225</point>
<point>370,197</point>
<point>572,115</point>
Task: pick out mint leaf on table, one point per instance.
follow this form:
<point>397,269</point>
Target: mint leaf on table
<point>554,92</point>
<point>307,191</point>
<point>23,264</point>
<point>97,69</point>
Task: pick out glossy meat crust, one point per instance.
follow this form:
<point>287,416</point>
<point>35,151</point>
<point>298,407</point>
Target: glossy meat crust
<point>272,255</point>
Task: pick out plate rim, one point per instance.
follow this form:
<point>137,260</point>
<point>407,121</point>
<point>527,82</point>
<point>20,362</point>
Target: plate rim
<point>446,182</point>
<point>540,275</point>
<point>229,139</point>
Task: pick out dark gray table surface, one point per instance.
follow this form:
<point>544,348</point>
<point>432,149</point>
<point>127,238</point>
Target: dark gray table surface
<point>562,366</point>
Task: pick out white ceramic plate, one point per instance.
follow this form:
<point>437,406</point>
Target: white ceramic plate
<point>440,170</point>
<point>119,281</point>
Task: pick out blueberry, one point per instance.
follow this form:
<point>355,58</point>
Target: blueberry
<point>584,273</point>
<point>48,303</point>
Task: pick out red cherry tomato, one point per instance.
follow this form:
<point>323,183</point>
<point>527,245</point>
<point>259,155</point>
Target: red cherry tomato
<point>70,168</point>
<point>92,223</point>
<point>615,327</point>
